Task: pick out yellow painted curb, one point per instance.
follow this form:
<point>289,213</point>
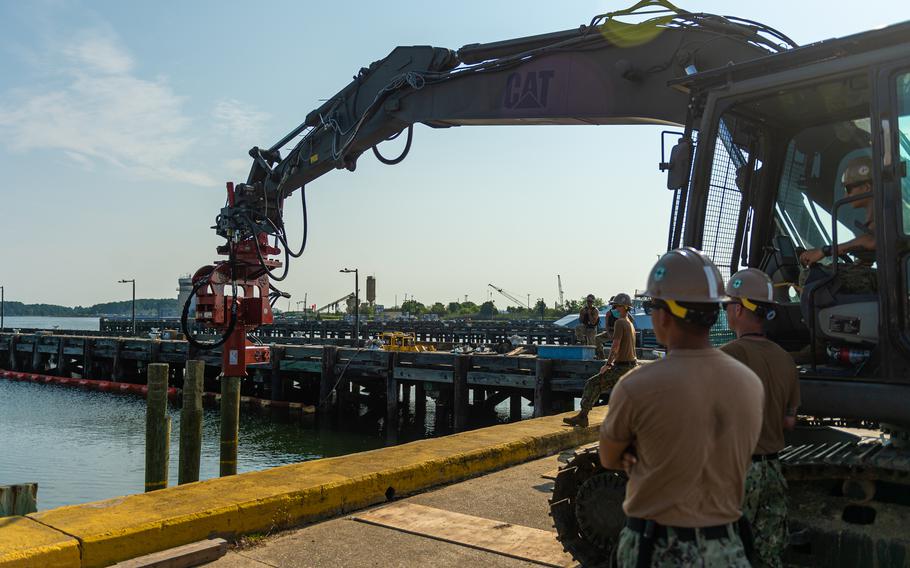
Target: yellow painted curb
<point>125,527</point>
<point>24,542</point>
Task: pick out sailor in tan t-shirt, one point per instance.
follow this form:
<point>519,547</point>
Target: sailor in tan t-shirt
<point>683,428</point>
<point>751,304</point>
<point>620,360</point>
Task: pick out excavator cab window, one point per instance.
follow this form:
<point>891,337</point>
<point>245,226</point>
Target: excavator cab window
<point>774,191</point>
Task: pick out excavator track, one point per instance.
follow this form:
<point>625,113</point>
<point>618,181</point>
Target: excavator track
<point>587,508</point>
<point>849,505</point>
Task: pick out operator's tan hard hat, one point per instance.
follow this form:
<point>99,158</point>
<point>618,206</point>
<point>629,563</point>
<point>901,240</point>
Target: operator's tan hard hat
<point>858,171</point>
<point>752,287</point>
<point>685,275</point>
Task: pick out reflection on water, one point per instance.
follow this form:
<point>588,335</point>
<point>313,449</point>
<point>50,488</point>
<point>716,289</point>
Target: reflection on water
<point>85,446</point>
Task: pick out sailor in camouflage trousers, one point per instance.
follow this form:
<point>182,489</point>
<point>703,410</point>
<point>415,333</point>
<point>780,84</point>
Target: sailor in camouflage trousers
<point>765,505</point>
<point>674,552</point>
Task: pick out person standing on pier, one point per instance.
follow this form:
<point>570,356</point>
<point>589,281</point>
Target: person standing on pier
<point>620,360</point>
<point>751,305</point>
<point>588,321</point>
<point>683,428</point>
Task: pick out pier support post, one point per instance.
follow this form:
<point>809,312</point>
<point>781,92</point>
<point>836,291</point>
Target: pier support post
<point>61,357</point>
<point>327,380</point>
<point>36,355</point>
<point>544,371</point>
<point>460,391</point>
<point>420,403</point>
<point>230,424</point>
<point>88,357</point>
<point>391,408</point>
<point>515,408</point>
<point>406,396</point>
<point>13,359</point>
<point>191,423</point>
<point>20,499</point>
<point>157,428</point>
<point>278,391</point>
<point>117,365</point>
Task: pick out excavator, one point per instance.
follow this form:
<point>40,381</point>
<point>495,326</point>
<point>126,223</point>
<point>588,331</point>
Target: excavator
<point>761,131</point>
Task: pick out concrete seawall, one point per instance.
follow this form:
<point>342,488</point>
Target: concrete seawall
<point>104,532</point>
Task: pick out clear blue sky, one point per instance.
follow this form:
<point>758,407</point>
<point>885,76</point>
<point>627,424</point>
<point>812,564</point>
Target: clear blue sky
<point>121,121</point>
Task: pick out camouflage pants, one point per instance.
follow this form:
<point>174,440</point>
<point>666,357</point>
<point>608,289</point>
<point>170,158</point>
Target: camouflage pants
<point>599,384</point>
<point>671,552</point>
<point>765,506</point>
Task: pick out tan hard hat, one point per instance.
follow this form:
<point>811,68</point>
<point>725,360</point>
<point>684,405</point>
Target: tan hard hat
<point>858,170</point>
<point>621,299</point>
<point>752,284</point>
<point>686,275</point>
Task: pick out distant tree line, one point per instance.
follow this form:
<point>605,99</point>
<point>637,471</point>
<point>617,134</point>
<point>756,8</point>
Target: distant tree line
<point>150,307</point>
<point>489,310</point>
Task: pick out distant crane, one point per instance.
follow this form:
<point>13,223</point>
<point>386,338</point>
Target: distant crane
<point>518,302</point>
<point>335,303</point>
<point>562,298</point>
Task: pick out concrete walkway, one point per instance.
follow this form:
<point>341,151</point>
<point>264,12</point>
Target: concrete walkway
<point>516,495</point>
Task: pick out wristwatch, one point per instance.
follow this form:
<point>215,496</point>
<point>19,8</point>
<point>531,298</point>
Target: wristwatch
<point>826,250</point>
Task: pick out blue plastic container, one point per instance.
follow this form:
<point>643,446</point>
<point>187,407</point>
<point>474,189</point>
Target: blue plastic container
<point>569,352</point>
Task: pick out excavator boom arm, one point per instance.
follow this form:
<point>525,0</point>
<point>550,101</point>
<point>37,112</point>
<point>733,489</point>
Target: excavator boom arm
<point>607,72</point>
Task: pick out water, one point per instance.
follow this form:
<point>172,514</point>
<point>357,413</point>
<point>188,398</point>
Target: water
<point>84,446</point>
<point>47,322</point>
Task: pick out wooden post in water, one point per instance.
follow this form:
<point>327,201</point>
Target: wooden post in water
<point>515,408</point>
<point>61,357</point>
<point>191,423</point>
<point>19,499</point>
<point>327,380</point>
<point>420,402</point>
<point>88,358</point>
<point>460,391</point>
<point>230,424</point>
<point>157,428</point>
<point>278,391</point>
<point>391,389</point>
<point>544,371</point>
<point>13,346</point>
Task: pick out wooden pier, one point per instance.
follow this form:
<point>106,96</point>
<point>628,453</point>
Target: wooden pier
<point>334,379</point>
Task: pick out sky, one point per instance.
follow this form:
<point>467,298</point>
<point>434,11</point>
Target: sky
<point>121,121</point>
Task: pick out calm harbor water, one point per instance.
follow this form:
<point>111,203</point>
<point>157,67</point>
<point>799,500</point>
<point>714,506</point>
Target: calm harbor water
<point>84,446</point>
<point>45,322</point>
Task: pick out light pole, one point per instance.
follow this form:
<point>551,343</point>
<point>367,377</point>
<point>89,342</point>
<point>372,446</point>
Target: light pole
<point>356,302</point>
<point>133,282</point>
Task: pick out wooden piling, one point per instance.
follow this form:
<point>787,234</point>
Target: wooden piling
<point>420,402</point>
<point>230,424</point>
<point>515,408</point>
<point>157,428</point>
<point>277,381</point>
<point>191,423</point>
<point>36,355</point>
<point>88,357</point>
<point>61,357</point>
<point>117,365</point>
<point>391,409</point>
<point>544,372</point>
<point>327,379</point>
<point>20,499</point>
<point>13,359</point>
<point>406,396</point>
<point>460,391</point>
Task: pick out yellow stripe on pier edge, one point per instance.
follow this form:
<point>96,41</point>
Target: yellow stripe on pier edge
<point>125,527</point>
